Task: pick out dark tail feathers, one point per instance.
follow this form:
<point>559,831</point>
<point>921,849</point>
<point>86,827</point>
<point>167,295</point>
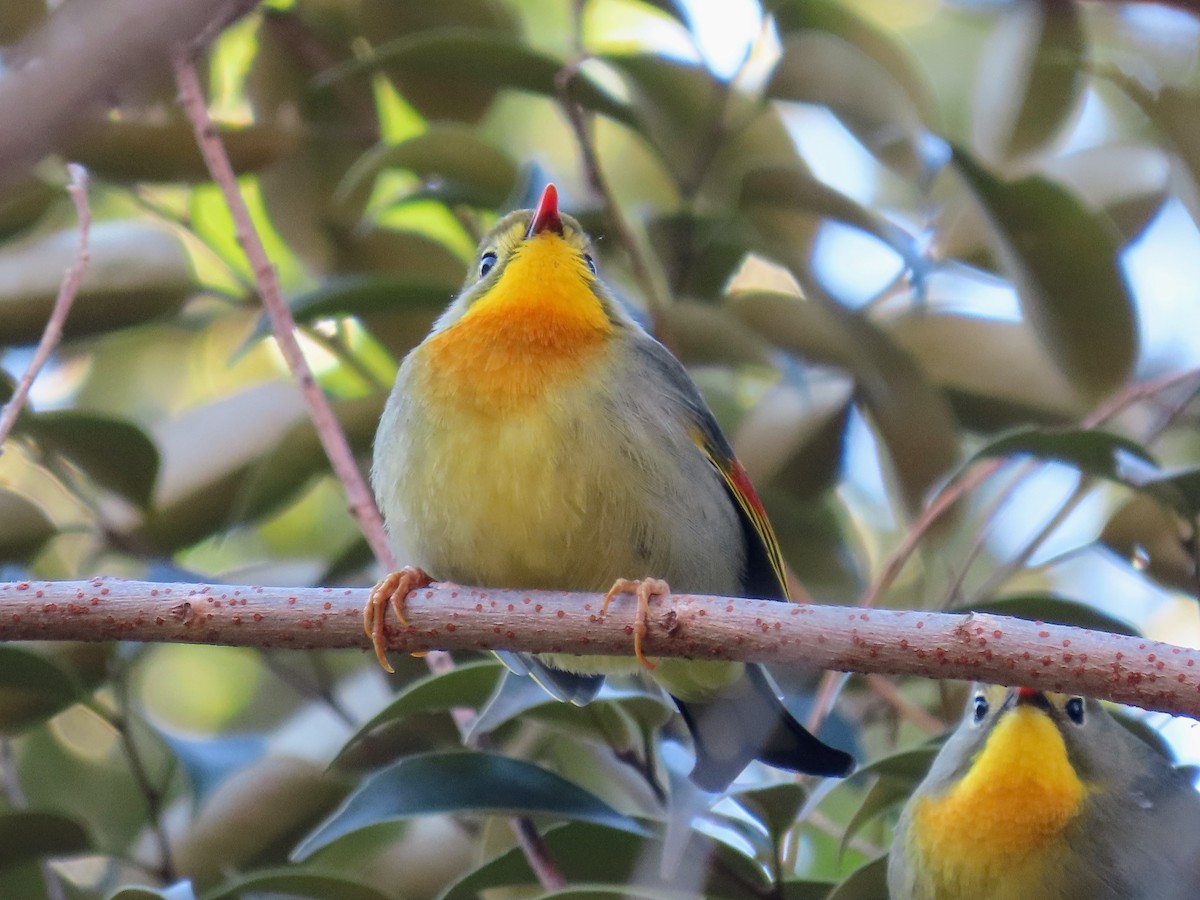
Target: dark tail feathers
<point>748,721</point>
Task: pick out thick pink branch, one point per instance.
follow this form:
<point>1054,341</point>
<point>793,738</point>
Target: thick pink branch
<point>998,649</point>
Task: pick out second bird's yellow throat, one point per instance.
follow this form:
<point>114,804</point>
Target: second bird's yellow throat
<point>1011,805</point>
<point>540,323</point>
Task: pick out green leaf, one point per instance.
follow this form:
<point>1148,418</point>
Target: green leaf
<point>114,453</point>
<point>1056,609</point>
<point>996,374</point>
<point>794,190</point>
<point>295,884</point>
<point>165,149</point>
<point>24,528</point>
<point>361,295</point>
<point>1155,541</point>
<point>415,720</point>
<point>839,20</point>
<point>1093,452</point>
<point>29,835</point>
<point>586,853</point>
<point>470,58</point>
<point>677,104</point>
<point>138,271</point>
<point>461,782</point>
<point>32,688</point>
<point>1064,262</point>
<point>181,890</point>
<point>822,68</point>
<point>465,168</point>
<point>913,420</point>
<point>1039,51</point>
<point>437,97</point>
<point>885,794</point>
<point>869,882</point>
<point>776,807</point>
<point>908,766</point>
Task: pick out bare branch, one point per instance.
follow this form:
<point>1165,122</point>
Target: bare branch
<point>999,649</point>
<point>53,331</point>
<point>341,458</point>
<point>57,80</point>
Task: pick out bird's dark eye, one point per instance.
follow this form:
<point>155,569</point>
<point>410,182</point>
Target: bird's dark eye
<point>981,707</point>
<point>589,262</point>
<point>1074,710</point>
<point>486,263</point>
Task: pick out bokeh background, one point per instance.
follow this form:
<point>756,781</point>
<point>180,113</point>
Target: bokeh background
<point>886,238</point>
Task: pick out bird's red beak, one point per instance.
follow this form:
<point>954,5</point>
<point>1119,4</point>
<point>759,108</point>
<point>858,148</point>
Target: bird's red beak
<point>545,217</point>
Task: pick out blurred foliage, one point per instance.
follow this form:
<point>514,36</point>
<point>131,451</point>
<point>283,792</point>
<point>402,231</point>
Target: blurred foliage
<point>896,238</point>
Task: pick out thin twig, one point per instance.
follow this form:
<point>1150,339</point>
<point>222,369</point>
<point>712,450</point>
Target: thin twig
<point>67,292</point>
<point>119,720</point>
<point>341,458</point>
<point>656,303</point>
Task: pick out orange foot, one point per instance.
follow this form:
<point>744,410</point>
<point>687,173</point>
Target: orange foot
<point>392,589</point>
<point>644,590</point>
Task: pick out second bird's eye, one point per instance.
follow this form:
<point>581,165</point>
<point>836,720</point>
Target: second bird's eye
<point>1074,710</point>
<point>486,263</point>
<point>589,262</point>
<point>981,707</point>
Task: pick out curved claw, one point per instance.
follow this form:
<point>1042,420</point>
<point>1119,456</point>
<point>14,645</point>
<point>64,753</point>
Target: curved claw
<point>391,590</point>
<point>643,590</point>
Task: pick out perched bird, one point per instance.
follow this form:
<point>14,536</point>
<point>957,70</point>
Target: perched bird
<point>1040,796</point>
<point>539,438</point>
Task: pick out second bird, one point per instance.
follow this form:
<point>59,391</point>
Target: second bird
<point>539,438</point>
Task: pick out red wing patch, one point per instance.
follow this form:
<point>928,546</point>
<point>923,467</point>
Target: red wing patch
<point>737,480</point>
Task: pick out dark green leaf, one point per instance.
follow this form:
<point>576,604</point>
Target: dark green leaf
<point>437,97</point>
<point>1041,50</point>
<point>776,807</point>
<point>416,719</point>
<point>464,57</point>
<point>117,149</point>
<point>453,157</point>
<point>32,688</point>
<point>115,454</point>
<point>908,766</point>
<point>28,835</point>
<point>362,295</point>
<point>458,782</point>
<point>805,890</point>
<point>885,794</point>
<point>1155,541</point>
<point>841,21</point>
<point>795,190</point>
<point>868,882</point>
<point>1097,453</point>
<point>677,105</point>
<point>821,68</point>
<point>1064,262</point>
<point>24,528</point>
<point>913,419</point>
<point>138,271</point>
<point>586,853</point>
<point>1058,610</point>
<point>290,883</point>
<point>181,890</point>
<point>996,374</point>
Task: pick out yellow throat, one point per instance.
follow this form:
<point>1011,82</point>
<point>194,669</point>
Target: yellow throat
<point>540,324</point>
<point>1001,820</point>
